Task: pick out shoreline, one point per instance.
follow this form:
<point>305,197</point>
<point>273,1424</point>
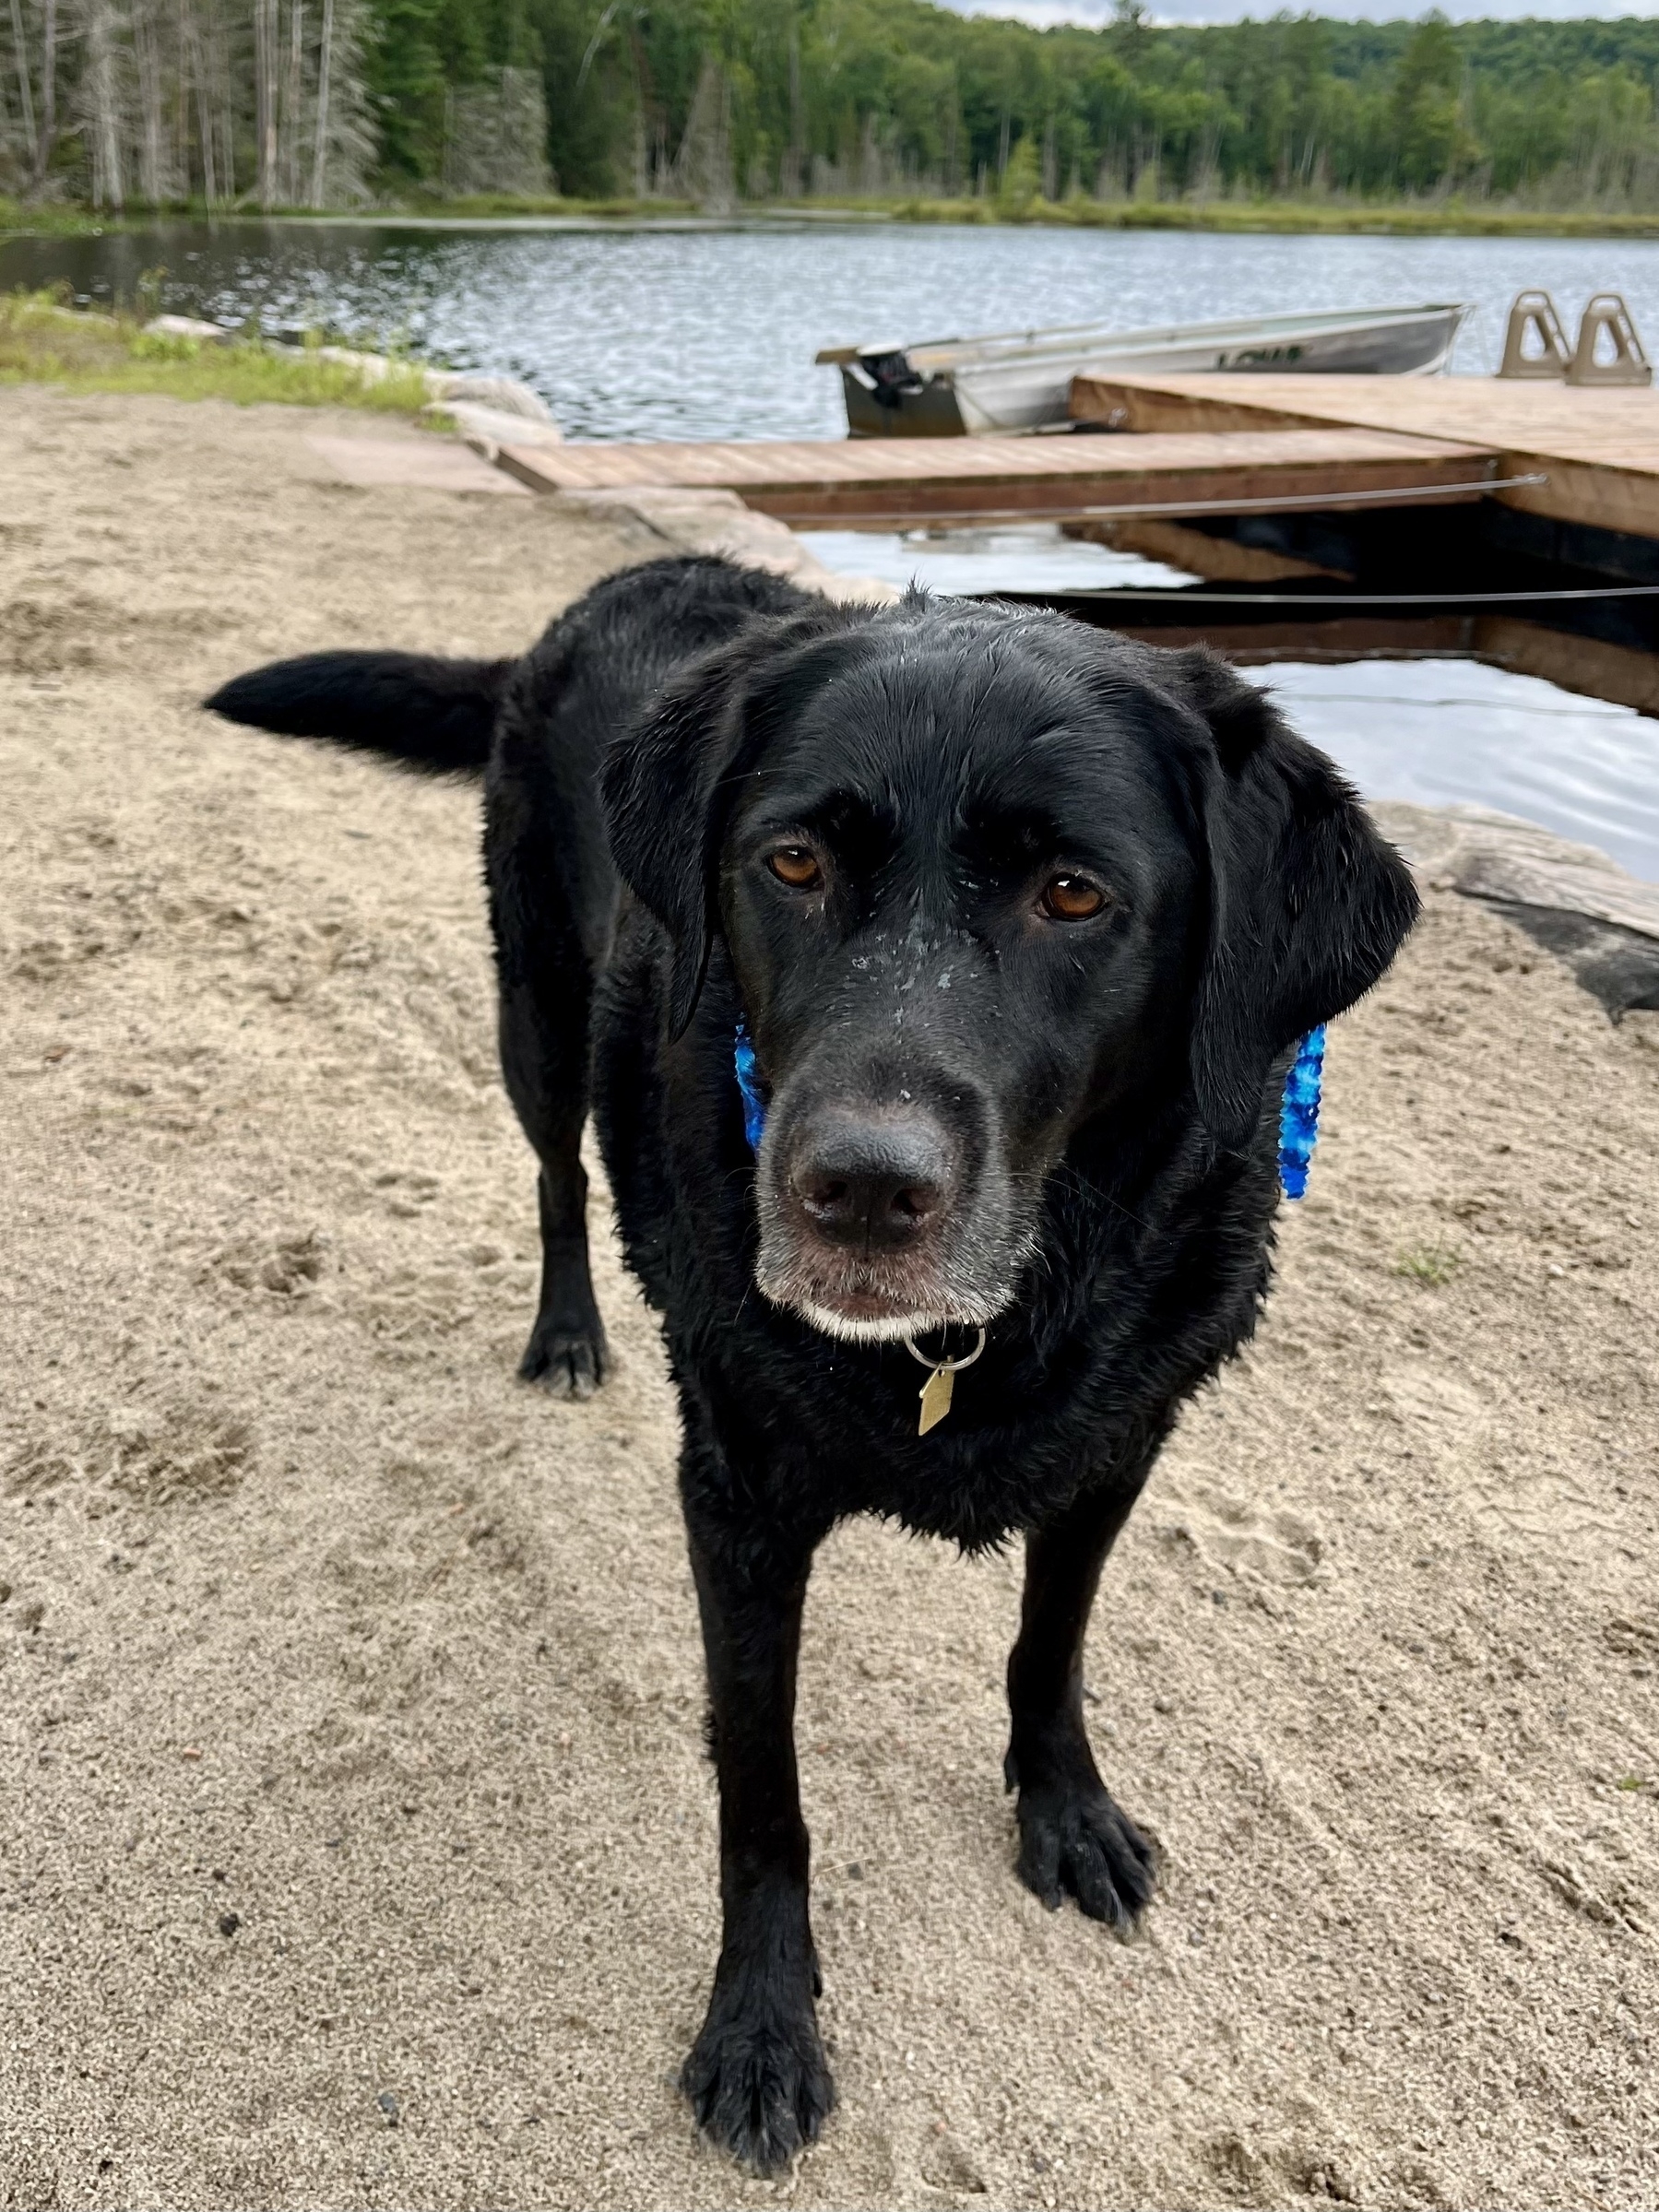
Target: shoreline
<point>1229,217</point>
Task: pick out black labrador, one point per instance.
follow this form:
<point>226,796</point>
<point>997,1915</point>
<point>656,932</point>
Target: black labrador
<point>933,973</point>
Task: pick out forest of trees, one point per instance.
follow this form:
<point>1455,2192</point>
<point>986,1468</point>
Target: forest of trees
<point>330,104</point>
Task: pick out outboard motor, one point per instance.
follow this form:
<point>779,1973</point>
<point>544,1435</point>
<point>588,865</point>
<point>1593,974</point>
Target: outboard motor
<point>885,374</point>
<point>888,395</point>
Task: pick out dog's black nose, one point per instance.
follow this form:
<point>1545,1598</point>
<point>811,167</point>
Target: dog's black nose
<point>871,1182</point>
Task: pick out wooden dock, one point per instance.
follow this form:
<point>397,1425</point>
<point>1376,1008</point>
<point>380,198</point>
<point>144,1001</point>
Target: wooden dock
<point>1597,450</point>
<point>1197,447</point>
<point>1247,480</point>
<point>899,482</point>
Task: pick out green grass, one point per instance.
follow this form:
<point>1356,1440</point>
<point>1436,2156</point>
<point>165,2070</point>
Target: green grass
<point>486,205</point>
<point>47,219</point>
<point>1416,218</point>
<point>1450,218</point>
<point>19,219</point>
<point>1432,1264</point>
<point>44,342</point>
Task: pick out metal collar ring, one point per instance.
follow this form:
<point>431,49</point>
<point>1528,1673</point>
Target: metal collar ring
<point>943,1367</point>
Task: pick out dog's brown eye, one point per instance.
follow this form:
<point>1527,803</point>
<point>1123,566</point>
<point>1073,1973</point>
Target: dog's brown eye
<point>795,866</point>
<point>1070,899</point>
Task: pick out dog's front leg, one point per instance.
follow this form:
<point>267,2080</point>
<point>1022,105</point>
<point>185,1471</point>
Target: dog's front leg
<point>1073,1836</point>
<point>756,2077</point>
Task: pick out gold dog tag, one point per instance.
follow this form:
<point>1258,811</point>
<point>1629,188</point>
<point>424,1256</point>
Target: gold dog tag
<point>936,1399</point>
<point>941,1381</point>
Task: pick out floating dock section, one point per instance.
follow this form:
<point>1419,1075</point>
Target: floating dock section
<point>899,483</point>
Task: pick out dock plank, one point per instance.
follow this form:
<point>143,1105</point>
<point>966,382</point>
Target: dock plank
<point>914,480</point>
<point>1598,447</point>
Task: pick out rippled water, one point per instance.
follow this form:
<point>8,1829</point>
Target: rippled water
<point>1429,730</point>
<point>1033,556</point>
<point>704,332</point>
<point>710,334</point>
<point>1436,730</point>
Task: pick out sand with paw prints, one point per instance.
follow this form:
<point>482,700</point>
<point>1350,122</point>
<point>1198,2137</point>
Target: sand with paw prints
<point>356,1844</point>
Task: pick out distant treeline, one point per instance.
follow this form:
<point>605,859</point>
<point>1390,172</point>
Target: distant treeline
<point>334,103</point>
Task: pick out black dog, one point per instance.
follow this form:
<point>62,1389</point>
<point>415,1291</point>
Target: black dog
<point>1020,923</point>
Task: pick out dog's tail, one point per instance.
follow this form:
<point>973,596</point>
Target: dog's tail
<point>436,716</point>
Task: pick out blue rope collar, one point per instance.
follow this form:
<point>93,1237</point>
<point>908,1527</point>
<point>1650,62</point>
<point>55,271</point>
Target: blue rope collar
<point>748,1086</point>
<point>1298,1113</point>
<point>1298,1109</point>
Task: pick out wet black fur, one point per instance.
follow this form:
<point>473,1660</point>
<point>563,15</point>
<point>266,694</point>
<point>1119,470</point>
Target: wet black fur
<point>622,747</point>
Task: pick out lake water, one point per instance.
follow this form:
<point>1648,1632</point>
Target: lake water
<point>1437,730</point>
<point>677,332</point>
<point>659,333</point>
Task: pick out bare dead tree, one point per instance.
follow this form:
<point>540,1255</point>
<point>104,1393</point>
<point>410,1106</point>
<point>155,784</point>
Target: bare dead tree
<point>154,178</point>
<point>319,152</point>
<point>293,94</point>
<point>343,147</point>
<point>192,65</point>
<point>180,96</point>
<point>264,97</point>
<point>791,170</point>
<point>46,138</point>
<point>25,89</point>
<point>100,103</point>
<point>703,166</point>
<point>226,103</point>
<point>496,136</point>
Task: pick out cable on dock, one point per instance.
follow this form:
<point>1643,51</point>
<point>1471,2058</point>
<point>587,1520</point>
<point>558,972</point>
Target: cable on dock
<point>1274,503</point>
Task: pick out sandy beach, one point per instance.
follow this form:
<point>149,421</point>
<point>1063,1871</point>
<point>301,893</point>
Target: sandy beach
<point>356,1847</point>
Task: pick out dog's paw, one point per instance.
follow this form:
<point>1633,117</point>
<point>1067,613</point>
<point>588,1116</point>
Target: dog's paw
<point>758,2081</point>
<point>1076,1840</point>
<point>566,1362</point>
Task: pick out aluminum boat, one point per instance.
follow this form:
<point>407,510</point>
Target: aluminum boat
<point>1021,381</point>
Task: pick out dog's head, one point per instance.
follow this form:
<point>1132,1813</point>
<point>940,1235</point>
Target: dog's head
<point>984,876</point>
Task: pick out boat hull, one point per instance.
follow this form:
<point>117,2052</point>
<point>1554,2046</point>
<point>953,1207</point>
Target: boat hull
<point>1005,387</point>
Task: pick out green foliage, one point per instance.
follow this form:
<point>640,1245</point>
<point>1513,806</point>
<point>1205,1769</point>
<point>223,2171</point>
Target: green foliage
<point>407,81</point>
<point>1021,186</point>
<point>712,102</point>
<point>884,98</point>
<point>52,218</point>
<point>418,51</point>
<point>1431,141</point>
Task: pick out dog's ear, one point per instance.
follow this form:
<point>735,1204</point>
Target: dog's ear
<point>669,782</point>
<point>1308,903</point>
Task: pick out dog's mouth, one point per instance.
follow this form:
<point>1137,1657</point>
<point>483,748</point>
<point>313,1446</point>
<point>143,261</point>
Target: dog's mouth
<point>860,1303</point>
<point>865,1317</point>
